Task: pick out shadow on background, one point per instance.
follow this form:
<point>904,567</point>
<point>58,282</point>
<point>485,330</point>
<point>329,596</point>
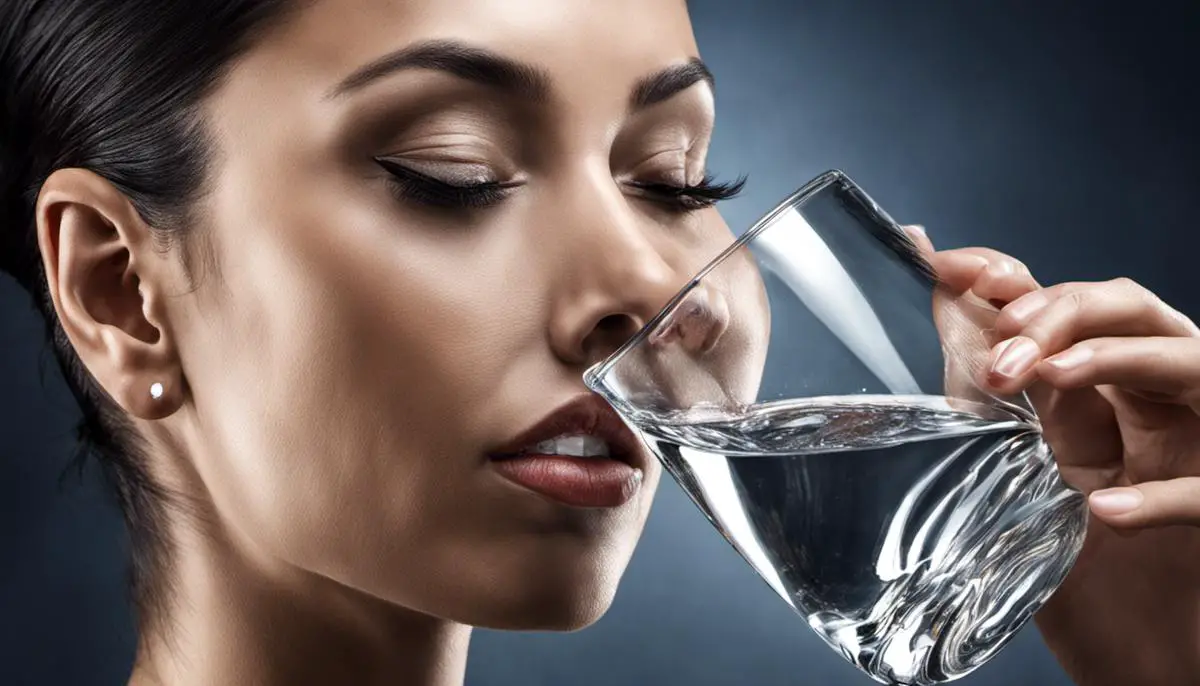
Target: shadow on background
<point>1062,133</point>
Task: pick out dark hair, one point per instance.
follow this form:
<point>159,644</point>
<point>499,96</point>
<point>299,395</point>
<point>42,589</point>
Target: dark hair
<point>115,87</point>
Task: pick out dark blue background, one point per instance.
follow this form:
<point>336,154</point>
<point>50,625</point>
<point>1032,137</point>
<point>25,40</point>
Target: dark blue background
<point>1061,132</point>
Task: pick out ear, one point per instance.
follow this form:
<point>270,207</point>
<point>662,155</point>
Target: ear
<point>107,283</point>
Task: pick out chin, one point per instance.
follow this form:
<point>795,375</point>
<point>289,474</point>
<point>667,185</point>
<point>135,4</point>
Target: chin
<point>560,615</point>
<point>563,603</point>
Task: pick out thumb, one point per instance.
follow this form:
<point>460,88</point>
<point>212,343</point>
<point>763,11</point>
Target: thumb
<point>1150,504</point>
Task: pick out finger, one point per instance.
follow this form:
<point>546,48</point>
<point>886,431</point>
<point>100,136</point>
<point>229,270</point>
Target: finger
<point>1063,315</point>
<point>1002,283</point>
<point>1057,316</point>
<point>1012,365</point>
<point>916,232</point>
<point>957,270</point>
<point>1166,366</point>
<point>1149,504</point>
<point>991,276</point>
<point>1000,262</point>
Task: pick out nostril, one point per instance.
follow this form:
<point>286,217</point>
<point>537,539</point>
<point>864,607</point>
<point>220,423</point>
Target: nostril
<point>610,333</point>
<point>618,325</point>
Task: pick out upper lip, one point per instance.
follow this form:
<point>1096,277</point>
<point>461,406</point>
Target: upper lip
<point>584,415</point>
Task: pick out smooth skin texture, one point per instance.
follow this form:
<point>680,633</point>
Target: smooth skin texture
<point>347,356</point>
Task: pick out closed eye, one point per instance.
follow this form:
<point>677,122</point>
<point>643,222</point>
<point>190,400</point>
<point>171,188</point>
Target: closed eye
<point>690,198</point>
<point>414,186</point>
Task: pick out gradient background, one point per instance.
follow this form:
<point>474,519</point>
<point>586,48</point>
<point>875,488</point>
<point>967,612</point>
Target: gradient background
<point>1062,133</point>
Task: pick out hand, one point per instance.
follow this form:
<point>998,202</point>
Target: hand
<point>1114,374</point>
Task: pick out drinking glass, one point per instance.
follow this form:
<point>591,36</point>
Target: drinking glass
<point>814,390</point>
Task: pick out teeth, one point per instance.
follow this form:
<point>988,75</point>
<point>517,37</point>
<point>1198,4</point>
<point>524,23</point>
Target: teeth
<point>574,446</point>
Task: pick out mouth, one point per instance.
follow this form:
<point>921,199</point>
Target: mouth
<point>581,455</point>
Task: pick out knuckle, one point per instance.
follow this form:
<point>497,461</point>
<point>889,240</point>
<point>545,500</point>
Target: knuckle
<point>1078,300</point>
<point>1125,283</point>
<point>1147,301</point>
<point>1063,289</point>
<point>1134,291</point>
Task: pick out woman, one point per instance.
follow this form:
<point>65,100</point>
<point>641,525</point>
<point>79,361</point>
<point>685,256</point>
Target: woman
<point>316,271</point>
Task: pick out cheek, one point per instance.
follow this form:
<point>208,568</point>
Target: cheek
<point>695,241</point>
<point>332,381</point>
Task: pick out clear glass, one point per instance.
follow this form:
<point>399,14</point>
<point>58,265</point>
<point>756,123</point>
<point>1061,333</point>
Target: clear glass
<point>814,391</point>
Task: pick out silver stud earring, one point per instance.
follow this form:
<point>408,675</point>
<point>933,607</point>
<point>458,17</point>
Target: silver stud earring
<point>156,390</point>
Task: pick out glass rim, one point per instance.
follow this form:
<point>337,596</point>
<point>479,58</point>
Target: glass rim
<point>798,198</point>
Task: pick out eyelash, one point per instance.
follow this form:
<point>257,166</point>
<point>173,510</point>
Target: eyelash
<point>427,190</point>
<point>412,185</point>
<point>693,197</point>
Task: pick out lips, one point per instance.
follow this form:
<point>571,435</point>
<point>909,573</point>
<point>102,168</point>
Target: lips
<point>578,473</point>
<point>586,415</point>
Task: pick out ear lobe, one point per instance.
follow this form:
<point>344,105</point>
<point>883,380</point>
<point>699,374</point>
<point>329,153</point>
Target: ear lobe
<point>105,279</point>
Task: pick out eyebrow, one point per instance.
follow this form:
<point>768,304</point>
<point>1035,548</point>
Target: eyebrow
<point>464,61</point>
<point>505,74</point>
<point>669,82</point>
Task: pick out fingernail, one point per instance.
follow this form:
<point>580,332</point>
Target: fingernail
<point>917,228</point>
<point>1071,357</point>
<point>1022,309</point>
<point>1015,357</point>
<point>1115,501</point>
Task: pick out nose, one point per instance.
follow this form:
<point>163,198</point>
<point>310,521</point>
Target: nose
<point>620,271</point>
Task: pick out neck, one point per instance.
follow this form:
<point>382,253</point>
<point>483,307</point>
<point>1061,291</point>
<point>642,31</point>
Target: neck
<point>231,621</point>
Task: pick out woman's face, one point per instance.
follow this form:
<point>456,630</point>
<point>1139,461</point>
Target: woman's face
<point>370,338</point>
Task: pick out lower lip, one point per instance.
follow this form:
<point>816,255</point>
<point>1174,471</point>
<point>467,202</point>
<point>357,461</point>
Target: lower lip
<point>574,481</point>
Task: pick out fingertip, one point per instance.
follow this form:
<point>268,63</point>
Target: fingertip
<point>916,232</point>
<point>1166,503</point>
<point>957,270</point>
<point>1113,503</point>
<point>1012,364</point>
<point>1148,505</point>
<point>1120,509</point>
<point>1002,386</point>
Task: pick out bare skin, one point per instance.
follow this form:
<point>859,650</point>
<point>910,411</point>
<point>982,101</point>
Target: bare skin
<point>348,355</point>
<point>333,385</point>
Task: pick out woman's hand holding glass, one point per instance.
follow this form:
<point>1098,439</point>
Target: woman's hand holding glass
<point>1114,374</point>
